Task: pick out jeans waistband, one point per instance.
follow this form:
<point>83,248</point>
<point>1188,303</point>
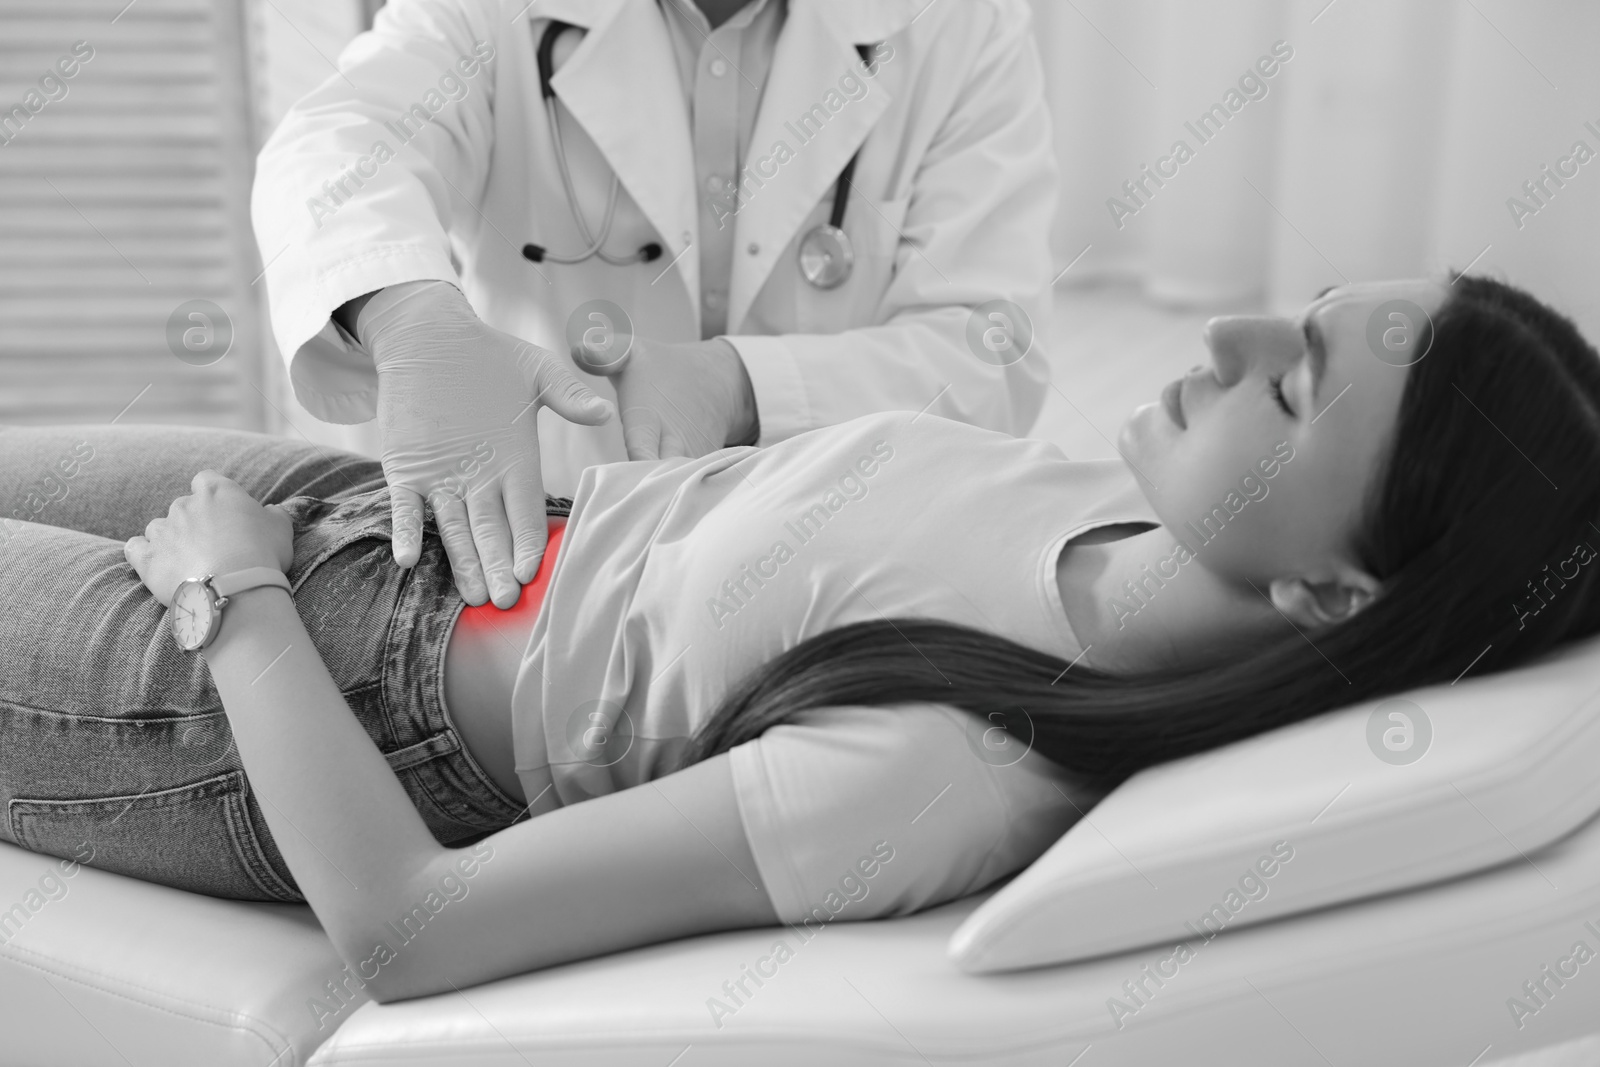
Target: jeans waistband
<point>425,746</point>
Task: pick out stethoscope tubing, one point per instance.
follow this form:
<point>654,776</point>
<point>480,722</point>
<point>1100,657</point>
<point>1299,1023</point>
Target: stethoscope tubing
<point>595,242</point>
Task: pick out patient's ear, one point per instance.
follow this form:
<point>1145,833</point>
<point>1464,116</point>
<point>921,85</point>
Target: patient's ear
<point>1314,601</point>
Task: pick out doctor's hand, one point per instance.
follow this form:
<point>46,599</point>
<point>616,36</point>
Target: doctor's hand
<point>456,418</point>
<point>683,399</point>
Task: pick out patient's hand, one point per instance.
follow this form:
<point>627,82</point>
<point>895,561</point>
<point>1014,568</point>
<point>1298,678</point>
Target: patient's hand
<point>217,529</point>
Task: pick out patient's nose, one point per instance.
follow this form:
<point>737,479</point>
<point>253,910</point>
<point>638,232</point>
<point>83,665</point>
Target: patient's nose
<point>1238,343</point>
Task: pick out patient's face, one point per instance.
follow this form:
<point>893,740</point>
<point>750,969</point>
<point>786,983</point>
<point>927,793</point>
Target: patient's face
<point>1340,402</point>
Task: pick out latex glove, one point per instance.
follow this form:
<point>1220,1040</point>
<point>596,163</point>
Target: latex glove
<point>457,402</point>
<point>217,529</point>
<point>683,399</point>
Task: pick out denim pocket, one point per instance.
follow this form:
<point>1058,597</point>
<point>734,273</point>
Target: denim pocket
<point>198,837</point>
<point>324,527</point>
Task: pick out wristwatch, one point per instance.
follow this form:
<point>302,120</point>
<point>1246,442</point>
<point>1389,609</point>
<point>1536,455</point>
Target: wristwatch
<point>196,610</point>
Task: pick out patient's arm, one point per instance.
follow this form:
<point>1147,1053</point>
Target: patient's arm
<point>664,860</point>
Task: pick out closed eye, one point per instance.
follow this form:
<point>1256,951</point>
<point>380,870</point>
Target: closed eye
<point>1277,394</point>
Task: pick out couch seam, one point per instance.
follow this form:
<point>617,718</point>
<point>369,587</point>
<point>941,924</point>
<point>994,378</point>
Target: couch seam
<point>239,1021</point>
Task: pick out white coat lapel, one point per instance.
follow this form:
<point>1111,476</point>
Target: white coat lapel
<point>816,49</point>
<point>622,86</point>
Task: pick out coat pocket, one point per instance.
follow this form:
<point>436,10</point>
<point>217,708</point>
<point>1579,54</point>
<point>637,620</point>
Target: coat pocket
<point>200,837</point>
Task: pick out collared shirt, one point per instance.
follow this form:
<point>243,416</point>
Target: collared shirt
<point>723,72</point>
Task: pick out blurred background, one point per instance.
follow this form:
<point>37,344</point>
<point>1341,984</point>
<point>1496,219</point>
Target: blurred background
<point>1392,139</point>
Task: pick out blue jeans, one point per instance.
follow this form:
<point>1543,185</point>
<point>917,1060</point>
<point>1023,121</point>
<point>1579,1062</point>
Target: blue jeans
<point>114,748</point>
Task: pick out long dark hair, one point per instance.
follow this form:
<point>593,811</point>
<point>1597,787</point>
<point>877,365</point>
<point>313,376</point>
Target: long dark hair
<point>1490,482</point>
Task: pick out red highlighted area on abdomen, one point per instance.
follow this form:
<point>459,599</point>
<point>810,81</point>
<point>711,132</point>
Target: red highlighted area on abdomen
<point>486,617</point>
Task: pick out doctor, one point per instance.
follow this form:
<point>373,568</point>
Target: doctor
<point>762,217</point>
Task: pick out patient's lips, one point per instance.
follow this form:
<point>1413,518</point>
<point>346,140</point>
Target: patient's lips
<point>1172,403</point>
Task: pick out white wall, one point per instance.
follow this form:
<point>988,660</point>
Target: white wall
<point>1386,147</point>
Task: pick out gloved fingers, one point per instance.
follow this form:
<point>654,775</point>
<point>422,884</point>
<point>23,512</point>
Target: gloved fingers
<point>455,530</point>
<point>405,522</point>
<point>673,444</point>
<point>491,535</point>
<point>641,433</point>
<point>688,437</point>
<point>559,390</point>
<point>530,526</point>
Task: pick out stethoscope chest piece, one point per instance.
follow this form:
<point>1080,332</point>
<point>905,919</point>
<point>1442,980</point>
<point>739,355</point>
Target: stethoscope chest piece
<point>826,257</point>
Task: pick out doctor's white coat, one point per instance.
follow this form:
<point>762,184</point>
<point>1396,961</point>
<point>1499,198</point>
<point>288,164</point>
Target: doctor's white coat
<point>429,156</point>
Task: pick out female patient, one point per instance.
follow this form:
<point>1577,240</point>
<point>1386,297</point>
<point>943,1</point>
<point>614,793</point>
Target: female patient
<point>859,672</point>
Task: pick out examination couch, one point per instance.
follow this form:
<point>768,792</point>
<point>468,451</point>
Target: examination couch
<point>1359,889</point>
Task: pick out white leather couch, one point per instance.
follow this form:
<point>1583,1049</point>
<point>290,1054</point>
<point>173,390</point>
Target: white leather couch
<point>1432,893</point>
<point>119,972</point>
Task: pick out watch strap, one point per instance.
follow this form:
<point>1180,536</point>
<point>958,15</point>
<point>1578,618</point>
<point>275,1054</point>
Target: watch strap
<point>249,578</point>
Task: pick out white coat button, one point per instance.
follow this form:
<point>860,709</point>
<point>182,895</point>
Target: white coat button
<point>713,300</point>
<point>716,183</point>
<point>754,249</point>
<point>719,67</point>
<point>688,238</point>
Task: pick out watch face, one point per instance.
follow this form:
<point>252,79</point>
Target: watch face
<point>193,614</point>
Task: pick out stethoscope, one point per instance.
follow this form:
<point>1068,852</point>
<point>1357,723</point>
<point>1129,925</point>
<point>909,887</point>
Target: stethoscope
<point>538,253</point>
<point>825,253</point>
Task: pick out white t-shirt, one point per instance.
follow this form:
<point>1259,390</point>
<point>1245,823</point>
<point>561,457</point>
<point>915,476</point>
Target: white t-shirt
<point>677,578</point>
